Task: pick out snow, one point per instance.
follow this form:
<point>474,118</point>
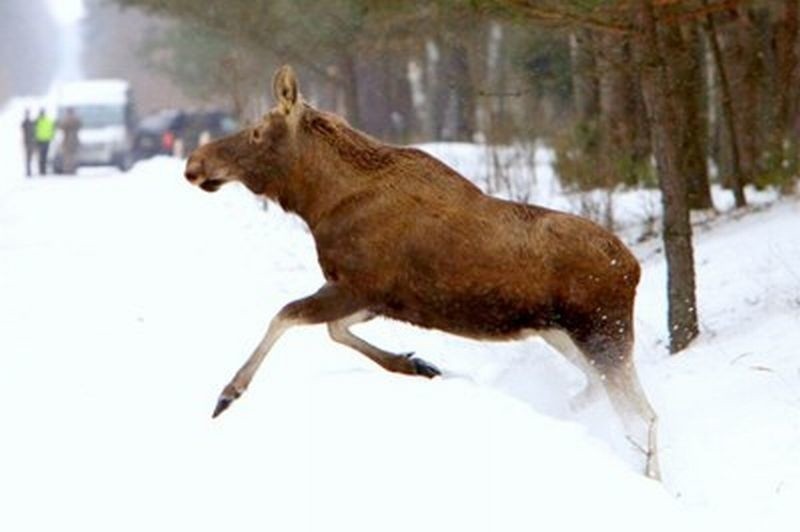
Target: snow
<point>128,300</point>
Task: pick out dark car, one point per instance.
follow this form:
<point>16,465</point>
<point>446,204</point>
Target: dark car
<point>176,132</point>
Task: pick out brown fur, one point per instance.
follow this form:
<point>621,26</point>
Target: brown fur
<point>402,235</point>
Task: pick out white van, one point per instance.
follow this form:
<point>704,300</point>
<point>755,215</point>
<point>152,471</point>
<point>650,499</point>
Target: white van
<point>105,108</point>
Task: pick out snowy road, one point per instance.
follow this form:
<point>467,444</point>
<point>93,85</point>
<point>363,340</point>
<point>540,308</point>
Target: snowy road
<point>128,300</point>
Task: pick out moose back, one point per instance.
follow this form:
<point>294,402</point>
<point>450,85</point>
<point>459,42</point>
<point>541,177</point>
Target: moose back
<point>400,234</point>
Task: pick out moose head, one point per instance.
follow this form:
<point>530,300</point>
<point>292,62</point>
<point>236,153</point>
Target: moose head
<point>258,156</point>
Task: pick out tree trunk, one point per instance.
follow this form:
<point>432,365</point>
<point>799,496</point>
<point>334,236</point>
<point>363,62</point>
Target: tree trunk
<point>643,143</point>
<point>462,92</point>
<point>454,99</point>
<point>740,60</point>
<point>347,71</point>
<point>728,113</point>
<point>498,121</point>
<point>661,105</point>
<point>374,107</point>
<point>405,124</point>
<point>686,74</point>
<point>615,93</point>
<point>585,90</point>
<point>786,34</point>
<point>439,90</point>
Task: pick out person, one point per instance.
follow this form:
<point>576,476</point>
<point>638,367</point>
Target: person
<point>70,125</point>
<point>45,130</point>
<point>29,140</point>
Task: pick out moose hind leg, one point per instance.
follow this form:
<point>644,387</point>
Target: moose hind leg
<point>614,362</point>
<point>339,331</point>
<point>630,401</point>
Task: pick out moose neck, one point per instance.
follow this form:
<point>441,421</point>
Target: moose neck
<point>329,169</point>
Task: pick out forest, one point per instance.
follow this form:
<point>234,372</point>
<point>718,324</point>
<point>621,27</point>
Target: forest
<point>674,94</point>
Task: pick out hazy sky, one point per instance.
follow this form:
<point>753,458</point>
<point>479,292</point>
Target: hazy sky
<point>66,11</point>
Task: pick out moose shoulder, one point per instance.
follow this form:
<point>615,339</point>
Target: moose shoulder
<point>400,234</point>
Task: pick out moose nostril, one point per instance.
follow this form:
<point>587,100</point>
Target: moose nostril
<point>194,170</point>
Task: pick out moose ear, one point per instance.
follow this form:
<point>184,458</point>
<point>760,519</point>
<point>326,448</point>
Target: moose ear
<point>284,88</point>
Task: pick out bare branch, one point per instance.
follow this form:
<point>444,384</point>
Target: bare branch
<point>561,17</point>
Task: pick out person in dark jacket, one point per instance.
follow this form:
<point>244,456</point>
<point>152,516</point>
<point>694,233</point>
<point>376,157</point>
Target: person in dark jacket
<point>28,140</point>
<point>45,130</point>
<point>70,124</point>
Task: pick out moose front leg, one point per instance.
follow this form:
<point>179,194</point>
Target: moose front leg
<point>328,304</point>
<point>410,365</point>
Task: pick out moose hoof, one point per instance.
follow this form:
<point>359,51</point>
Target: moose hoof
<point>226,398</point>
<point>423,368</point>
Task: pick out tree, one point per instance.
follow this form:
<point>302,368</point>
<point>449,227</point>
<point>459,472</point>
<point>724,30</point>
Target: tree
<point>737,178</point>
<point>655,57</point>
<point>687,77</point>
<point>785,138</point>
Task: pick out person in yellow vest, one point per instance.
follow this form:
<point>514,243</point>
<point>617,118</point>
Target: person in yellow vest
<point>45,131</point>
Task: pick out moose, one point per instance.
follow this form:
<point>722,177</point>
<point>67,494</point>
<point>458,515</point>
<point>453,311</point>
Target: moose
<point>399,234</point>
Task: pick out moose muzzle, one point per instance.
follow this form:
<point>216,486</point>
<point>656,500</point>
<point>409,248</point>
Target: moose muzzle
<point>196,174</point>
<point>194,170</point>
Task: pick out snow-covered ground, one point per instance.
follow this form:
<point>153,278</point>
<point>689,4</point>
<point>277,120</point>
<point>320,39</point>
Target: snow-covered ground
<point>128,300</point>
